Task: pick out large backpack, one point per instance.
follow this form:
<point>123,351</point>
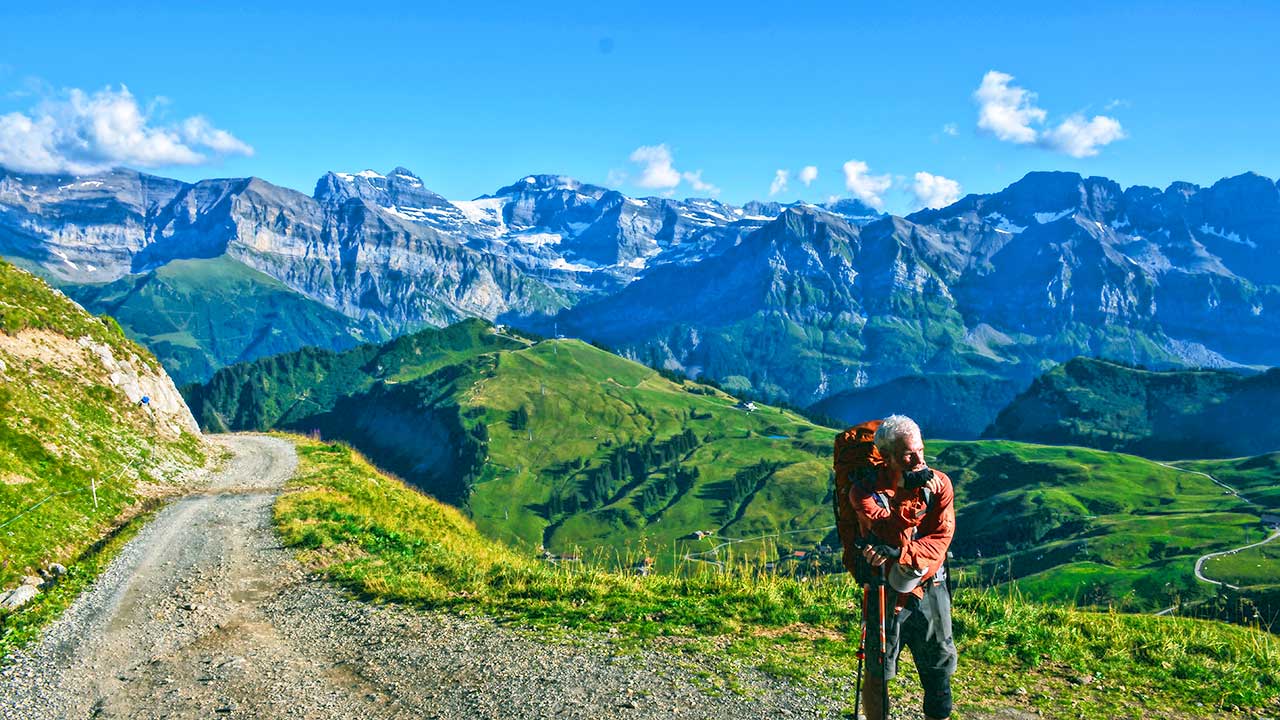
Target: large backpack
<point>856,461</point>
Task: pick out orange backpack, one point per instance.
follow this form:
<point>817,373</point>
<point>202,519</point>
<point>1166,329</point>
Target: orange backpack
<point>856,461</point>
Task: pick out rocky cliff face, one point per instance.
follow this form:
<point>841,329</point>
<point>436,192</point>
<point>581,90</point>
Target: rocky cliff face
<point>794,302</point>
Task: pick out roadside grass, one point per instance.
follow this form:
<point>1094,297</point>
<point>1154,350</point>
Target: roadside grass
<point>1256,478</point>
<point>1256,567</point>
<point>385,542</point>
<point>65,432</point>
<point>23,626</point>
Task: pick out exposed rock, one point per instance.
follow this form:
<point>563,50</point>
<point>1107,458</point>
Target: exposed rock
<point>139,382</point>
<point>17,597</point>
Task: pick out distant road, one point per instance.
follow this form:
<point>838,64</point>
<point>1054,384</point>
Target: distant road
<point>1200,561</point>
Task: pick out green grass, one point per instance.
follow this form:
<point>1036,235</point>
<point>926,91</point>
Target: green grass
<point>66,430</point>
<point>1097,527</point>
<point>582,403</point>
<point>23,626</point>
<point>383,541</point>
<point>1257,478</point>
<point>1254,568</point>
<point>519,434</point>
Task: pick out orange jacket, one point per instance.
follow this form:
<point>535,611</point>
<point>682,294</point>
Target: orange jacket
<point>924,534</point>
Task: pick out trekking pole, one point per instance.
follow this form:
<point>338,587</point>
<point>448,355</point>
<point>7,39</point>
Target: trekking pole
<point>862,650</point>
<point>884,653</point>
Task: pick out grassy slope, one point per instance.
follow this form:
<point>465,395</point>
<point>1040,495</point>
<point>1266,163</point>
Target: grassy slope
<point>1258,480</point>
<point>1073,524</point>
<point>61,425</point>
<point>201,315</point>
<point>583,402</point>
<point>383,541</point>
<point>1087,525</point>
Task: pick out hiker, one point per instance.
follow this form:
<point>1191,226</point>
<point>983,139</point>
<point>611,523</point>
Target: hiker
<point>905,521</point>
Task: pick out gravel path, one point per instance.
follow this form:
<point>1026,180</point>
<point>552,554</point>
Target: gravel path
<point>204,615</point>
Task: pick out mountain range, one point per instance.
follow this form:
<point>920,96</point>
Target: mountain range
<point>787,302</point>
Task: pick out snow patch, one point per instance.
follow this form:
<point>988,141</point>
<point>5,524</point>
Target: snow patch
<point>1045,218</point>
<point>66,259</point>
<point>486,211</point>
<point>537,239</point>
<point>1232,237</point>
<point>562,264</point>
<point>1002,224</point>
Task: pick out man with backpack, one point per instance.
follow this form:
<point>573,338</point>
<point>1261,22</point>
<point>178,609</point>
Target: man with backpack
<point>896,518</point>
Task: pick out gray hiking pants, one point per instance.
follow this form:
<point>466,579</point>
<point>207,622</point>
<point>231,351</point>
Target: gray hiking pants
<point>924,626</point>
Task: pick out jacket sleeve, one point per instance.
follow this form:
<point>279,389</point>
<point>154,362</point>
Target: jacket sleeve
<point>933,536</point>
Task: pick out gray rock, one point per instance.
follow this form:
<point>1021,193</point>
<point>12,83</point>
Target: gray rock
<point>17,597</point>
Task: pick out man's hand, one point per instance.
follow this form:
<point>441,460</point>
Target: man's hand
<point>934,484</point>
<point>878,555</point>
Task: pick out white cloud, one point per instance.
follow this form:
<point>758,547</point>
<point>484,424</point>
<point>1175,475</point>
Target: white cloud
<point>934,191</point>
<point>950,129</point>
<point>695,181</point>
<point>779,183</point>
<point>197,131</point>
<point>88,133</point>
<point>1080,138</point>
<point>867,188</point>
<point>656,169</point>
<point>808,174</point>
<point>1009,112</point>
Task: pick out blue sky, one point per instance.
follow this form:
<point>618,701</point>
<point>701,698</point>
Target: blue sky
<point>473,96</point>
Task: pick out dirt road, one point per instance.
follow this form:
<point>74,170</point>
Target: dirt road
<point>205,615</point>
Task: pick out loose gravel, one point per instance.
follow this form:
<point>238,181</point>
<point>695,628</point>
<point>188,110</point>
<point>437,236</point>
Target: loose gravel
<point>204,615</point>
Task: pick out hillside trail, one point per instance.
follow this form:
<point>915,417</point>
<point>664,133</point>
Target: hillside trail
<point>1200,561</point>
<point>205,615</point>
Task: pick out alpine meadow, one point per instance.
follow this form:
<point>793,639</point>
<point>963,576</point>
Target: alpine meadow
<point>706,362</point>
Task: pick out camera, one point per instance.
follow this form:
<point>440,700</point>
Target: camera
<point>917,479</point>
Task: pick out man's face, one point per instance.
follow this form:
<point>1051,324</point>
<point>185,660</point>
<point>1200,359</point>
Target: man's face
<point>907,455</point>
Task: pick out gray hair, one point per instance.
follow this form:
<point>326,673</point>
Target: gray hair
<point>893,429</point>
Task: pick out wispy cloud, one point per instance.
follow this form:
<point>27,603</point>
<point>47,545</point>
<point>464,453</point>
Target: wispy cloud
<point>950,129</point>
<point>80,132</point>
<point>808,174</point>
<point>934,191</point>
<point>695,181</point>
<point>779,183</point>
<point>866,187</point>
<point>658,171</point>
<point>615,178</point>
<point>1009,112</point>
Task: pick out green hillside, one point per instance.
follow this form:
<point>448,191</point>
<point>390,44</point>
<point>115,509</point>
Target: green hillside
<point>1171,414</point>
<point>67,429</point>
<point>201,315</point>
<point>376,537</point>
<point>554,443</point>
<point>1089,526</point>
<point>562,445</point>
